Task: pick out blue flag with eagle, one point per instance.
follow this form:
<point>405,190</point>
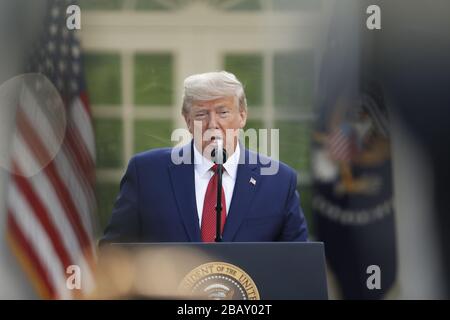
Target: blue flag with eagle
<point>353,197</point>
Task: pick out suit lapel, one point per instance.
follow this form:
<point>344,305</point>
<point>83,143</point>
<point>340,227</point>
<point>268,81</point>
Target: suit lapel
<point>243,193</point>
<point>183,184</point>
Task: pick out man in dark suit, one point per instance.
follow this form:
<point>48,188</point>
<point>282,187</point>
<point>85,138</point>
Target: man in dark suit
<point>163,199</point>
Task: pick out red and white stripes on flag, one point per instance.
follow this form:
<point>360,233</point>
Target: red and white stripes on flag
<point>341,145</point>
<point>50,213</point>
<point>51,200</point>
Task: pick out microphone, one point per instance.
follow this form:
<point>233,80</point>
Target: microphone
<point>219,154</point>
<point>219,157</point>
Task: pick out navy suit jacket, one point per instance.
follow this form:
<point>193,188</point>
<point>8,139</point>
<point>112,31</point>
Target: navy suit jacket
<point>157,203</point>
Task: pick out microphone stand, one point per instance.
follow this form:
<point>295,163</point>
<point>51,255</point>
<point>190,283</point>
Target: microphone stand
<point>221,157</point>
<point>219,203</point>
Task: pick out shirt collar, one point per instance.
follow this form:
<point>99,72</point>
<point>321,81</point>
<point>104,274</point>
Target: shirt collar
<point>202,164</point>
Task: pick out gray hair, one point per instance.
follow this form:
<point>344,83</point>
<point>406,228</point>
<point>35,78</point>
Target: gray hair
<point>210,86</point>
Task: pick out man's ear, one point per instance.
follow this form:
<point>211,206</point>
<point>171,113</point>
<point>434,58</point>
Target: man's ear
<point>243,114</point>
<point>189,123</point>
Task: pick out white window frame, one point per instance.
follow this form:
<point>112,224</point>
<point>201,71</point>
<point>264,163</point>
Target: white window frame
<point>198,36</point>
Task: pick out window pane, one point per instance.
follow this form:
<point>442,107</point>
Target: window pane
<point>295,139</point>
<point>153,79</point>
<point>101,4</point>
<point>106,196</point>
<point>256,125</point>
<point>103,78</point>
<point>149,134</point>
<point>293,80</point>
<point>249,70</point>
<point>108,139</point>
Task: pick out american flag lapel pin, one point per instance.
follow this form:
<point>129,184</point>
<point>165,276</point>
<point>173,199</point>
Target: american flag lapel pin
<point>252,181</point>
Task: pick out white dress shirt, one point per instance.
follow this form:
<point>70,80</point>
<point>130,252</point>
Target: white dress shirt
<point>203,174</point>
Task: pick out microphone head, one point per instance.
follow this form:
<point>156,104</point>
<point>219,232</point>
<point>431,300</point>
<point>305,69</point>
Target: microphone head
<point>219,154</point>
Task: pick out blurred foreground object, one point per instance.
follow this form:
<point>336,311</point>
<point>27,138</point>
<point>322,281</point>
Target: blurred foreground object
<point>50,201</point>
<point>406,67</point>
<point>413,58</point>
<point>143,273</point>
<point>353,196</point>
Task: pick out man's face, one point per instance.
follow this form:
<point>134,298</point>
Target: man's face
<point>220,117</point>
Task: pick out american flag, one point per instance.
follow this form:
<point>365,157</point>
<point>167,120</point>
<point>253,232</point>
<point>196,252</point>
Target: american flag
<point>341,144</point>
<point>51,200</point>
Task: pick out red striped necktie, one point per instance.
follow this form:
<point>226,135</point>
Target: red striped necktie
<point>208,228</point>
